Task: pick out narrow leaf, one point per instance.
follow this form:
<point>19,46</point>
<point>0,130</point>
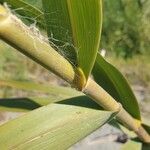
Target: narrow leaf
<point>59,27</point>
<point>55,94</point>
<point>116,85</point>
<point>29,103</point>
<point>19,104</point>
<point>132,145</point>
<point>146,147</point>
<point>86,20</point>
<point>31,86</point>
<point>75,23</point>
<point>56,126</point>
<point>26,10</point>
<point>35,3</point>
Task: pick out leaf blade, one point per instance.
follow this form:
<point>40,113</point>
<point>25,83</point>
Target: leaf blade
<point>53,94</point>
<point>81,20</point>
<point>86,22</point>
<point>26,10</point>
<point>59,28</point>
<point>26,104</point>
<point>116,85</point>
<point>50,131</point>
<point>31,86</point>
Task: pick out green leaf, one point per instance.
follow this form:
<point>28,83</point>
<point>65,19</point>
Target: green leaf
<point>27,11</point>
<point>146,147</point>
<point>31,86</point>
<point>56,126</point>
<point>75,25</point>
<point>132,145</point>
<point>59,27</point>
<point>116,85</point>
<point>35,3</point>
<point>29,103</point>
<point>55,94</point>
<point>19,104</point>
<point>86,20</point>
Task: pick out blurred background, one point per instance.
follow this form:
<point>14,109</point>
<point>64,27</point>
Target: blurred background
<point>126,42</point>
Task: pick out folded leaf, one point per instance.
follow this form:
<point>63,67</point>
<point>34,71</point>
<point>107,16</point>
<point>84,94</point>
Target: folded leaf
<point>56,126</point>
<point>116,85</point>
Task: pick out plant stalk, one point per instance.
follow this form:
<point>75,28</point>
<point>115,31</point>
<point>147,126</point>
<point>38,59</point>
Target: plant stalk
<point>14,32</point>
<point>100,96</point>
<point>21,37</point>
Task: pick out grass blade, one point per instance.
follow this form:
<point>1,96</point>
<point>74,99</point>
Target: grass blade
<point>59,27</point>
<point>86,20</point>
<point>77,23</point>
<point>27,11</point>
<point>116,85</point>
<point>18,104</point>
<point>47,127</point>
<point>25,104</point>
<point>55,94</point>
<point>31,86</point>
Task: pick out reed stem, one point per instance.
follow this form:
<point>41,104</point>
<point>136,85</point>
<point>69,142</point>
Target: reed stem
<point>14,32</point>
<point>100,96</point>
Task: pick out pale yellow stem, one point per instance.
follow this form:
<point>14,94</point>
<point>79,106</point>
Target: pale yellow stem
<point>20,36</point>
<point>100,96</point>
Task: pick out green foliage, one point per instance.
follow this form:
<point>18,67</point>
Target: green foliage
<point>116,85</point>
<point>122,27</point>
<point>131,33</point>
<point>52,94</point>
<point>36,3</point>
<point>86,20</point>
<point>145,25</point>
<point>31,86</point>
<point>59,27</point>
<point>56,126</point>
<point>11,61</point>
<point>27,11</point>
<point>75,27</point>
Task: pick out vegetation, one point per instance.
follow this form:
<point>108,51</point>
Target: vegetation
<point>74,43</point>
<point>131,33</point>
